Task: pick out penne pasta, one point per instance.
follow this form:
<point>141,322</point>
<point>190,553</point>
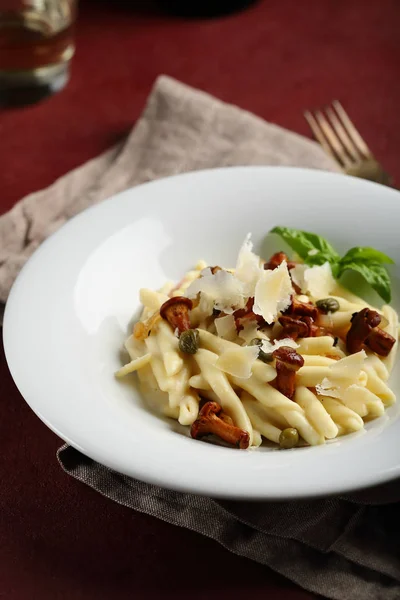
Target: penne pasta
<point>337,321</point>
<point>354,401</point>
<point>259,419</point>
<point>188,408</point>
<point>172,413</point>
<point>159,372</point>
<point>166,288</point>
<point>168,344</point>
<point>346,305</point>
<point>378,365</point>
<point>134,365</point>
<point>312,376</point>
<point>314,360</point>
<point>323,346</point>
<point>209,395</point>
<point>134,347</point>
<point>316,412</point>
<point>273,416</point>
<point>152,299</point>
<point>220,385</point>
<point>179,385</point>
<point>147,380</point>
<point>217,345</point>
<point>340,292</point>
<point>358,396</point>
<point>267,395</point>
<point>342,415</point>
<point>244,348</point>
<point>272,398</point>
<point>199,382</point>
<point>379,387</point>
<point>257,439</point>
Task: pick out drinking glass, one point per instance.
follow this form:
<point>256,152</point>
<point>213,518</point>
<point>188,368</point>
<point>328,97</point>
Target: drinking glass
<point>36,43</point>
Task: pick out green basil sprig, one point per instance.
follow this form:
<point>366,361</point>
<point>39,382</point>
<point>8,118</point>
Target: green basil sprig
<point>315,250</point>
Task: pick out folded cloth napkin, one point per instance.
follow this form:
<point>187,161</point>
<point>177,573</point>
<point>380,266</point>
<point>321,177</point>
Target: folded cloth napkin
<point>342,548</point>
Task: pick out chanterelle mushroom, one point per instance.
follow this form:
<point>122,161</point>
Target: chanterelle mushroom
<point>288,361</point>
<point>380,341</point>
<point>364,330</point>
<point>211,420</point>
<point>243,315</point>
<point>176,312</point>
<point>302,309</point>
<point>298,326</point>
<point>277,259</point>
<point>293,327</point>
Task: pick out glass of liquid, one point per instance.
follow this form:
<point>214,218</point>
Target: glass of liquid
<point>36,46</point>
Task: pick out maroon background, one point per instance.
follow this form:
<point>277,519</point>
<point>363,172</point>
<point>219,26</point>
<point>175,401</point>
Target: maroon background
<point>58,538</point>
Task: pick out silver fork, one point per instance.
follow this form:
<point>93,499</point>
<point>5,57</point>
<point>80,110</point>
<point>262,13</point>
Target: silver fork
<point>340,139</point>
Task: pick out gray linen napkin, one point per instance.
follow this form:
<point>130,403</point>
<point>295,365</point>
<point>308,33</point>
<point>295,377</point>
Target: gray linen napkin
<point>343,548</point>
<point>340,548</point>
<point>181,129</point>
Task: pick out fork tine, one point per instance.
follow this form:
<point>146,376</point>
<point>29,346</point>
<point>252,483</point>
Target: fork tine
<point>333,140</point>
<point>351,130</point>
<point>341,133</point>
<point>318,134</point>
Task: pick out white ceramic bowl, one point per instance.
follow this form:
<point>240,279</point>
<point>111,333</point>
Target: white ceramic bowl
<point>71,308</point>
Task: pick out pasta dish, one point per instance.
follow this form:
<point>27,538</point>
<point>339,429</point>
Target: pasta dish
<point>271,350</point>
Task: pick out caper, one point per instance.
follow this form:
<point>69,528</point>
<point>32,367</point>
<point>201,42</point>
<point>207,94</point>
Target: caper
<point>189,341</point>
<point>265,357</point>
<point>289,438</point>
<point>328,305</point>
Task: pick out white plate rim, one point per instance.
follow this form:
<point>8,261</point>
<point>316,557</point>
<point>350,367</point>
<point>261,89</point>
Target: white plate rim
<point>224,489</point>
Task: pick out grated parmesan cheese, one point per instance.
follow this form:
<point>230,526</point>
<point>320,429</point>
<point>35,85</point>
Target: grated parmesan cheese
<point>250,331</point>
<point>349,368</point>
<point>343,374</point>
<point>205,306</point>
<point>248,267</point>
<point>319,281</point>
<point>226,328</point>
<point>316,281</point>
<point>226,290</point>
<point>238,361</point>
<point>269,347</point>
<point>273,293</point>
<point>297,275</point>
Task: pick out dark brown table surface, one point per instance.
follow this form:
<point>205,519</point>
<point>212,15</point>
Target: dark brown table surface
<point>59,539</point>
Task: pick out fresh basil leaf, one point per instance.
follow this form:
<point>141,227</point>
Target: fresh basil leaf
<point>375,275</point>
<point>315,250</point>
<point>303,242</point>
<point>366,254</point>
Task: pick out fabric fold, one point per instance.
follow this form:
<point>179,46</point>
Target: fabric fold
<point>347,567</point>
